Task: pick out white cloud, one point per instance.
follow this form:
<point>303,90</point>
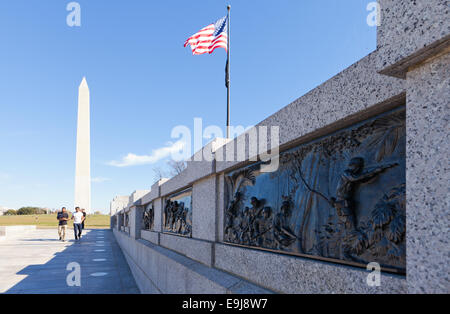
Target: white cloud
<point>156,155</point>
<point>99,179</point>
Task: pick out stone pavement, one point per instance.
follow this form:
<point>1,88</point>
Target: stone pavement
<point>36,262</point>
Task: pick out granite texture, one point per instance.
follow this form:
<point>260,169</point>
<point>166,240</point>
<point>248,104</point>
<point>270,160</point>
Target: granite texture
<point>137,195</point>
<point>288,274</point>
<point>220,211</point>
<point>428,177</point>
<point>157,208</point>
<point>136,222</point>
<point>197,250</point>
<point>179,182</point>
<point>410,31</point>
<point>159,270</point>
<point>147,198</point>
<point>145,285</point>
<point>353,95</point>
<point>150,236</point>
<point>154,193</point>
<point>204,209</point>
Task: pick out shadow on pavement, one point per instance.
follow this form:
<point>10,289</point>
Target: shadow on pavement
<point>103,268</point>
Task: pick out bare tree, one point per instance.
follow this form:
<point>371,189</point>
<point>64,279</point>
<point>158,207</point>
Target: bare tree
<point>158,173</point>
<point>176,167</point>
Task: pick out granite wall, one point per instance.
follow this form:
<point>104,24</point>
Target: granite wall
<point>410,67</point>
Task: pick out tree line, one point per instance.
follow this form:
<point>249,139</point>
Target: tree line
<point>33,211</point>
<point>26,211</point>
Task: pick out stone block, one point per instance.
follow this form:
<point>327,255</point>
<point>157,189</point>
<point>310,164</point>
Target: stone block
<point>204,209</point>
<point>198,250</point>
<point>409,33</point>
<point>220,214</point>
<point>428,177</point>
<point>158,209</point>
<point>150,236</point>
<point>290,274</point>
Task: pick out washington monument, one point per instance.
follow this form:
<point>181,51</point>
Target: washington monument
<point>83,154</point>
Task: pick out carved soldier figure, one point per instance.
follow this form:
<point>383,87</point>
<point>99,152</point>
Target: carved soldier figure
<point>244,226</point>
<point>254,212</point>
<point>264,226</point>
<point>148,217</point>
<point>282,233</point>
<point>174,210</point>
<point>231,214</point>
<point>180,218</point>
<point>353,175</point>
<point>167,213</point>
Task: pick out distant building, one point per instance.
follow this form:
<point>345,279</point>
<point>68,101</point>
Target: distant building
<point>118,203</point>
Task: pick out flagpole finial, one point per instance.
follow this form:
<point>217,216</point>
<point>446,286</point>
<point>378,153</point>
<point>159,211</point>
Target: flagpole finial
<point>229,7</point>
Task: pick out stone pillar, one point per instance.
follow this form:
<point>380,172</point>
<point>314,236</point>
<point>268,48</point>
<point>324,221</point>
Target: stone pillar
<point>414,44</point>
<point>157,207</point>
<point>204,217</point>
<point>136,222</point>
<point>428,176</point>
<point>119,218</point>
<point>220,214</point>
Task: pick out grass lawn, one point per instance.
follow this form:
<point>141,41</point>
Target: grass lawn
<point>49,221</point>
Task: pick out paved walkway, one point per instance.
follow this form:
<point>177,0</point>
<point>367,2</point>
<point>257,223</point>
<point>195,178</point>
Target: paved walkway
<point>36,262</point>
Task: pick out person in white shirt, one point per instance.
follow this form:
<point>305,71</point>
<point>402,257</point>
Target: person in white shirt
<point>78,219</point>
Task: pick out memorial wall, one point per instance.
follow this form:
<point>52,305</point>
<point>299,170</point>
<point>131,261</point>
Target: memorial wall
<point>361,178</point>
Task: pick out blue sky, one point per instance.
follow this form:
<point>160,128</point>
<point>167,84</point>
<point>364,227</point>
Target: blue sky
<point>143,82</point>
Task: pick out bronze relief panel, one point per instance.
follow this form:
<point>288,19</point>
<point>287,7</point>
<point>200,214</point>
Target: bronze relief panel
<point>148,216</point>
<point>339,198</point>
<point>177,216</point>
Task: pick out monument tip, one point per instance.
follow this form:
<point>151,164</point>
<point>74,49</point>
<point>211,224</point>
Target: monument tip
<point>83,82</point>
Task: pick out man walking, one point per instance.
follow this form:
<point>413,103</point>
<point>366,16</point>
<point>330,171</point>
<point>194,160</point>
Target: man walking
<point>62,217</point>
<point>77,218</point>
<point>84,220</point>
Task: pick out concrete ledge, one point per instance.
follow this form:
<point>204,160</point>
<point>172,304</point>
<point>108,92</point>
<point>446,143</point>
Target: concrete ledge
<point>179,182</point>
<point>160,270</point>
<point>145,286</point>
<point>150,236</point>
<point>7,231</point>
<point>154,193</point>
<point>409,33</point>
<point>198,250</point>
<point>290,274</point>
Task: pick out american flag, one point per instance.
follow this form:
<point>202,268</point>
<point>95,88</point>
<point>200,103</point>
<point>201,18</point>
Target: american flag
<point>209,38</point>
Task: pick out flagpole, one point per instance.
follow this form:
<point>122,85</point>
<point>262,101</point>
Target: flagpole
<point>228,71</point>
